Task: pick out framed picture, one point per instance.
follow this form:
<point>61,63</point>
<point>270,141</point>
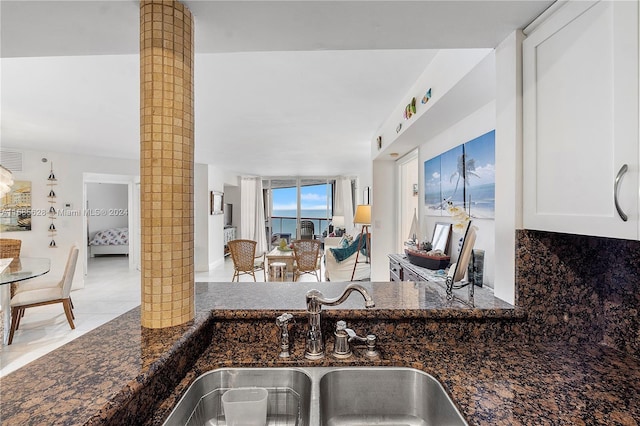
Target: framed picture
<point>216,199</point>
<point>15,208</point>
<point>366,199</point>
<point>432,191</point>
<point>464,176</point>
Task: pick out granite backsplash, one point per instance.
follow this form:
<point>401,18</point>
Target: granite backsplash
<point>579,289</point>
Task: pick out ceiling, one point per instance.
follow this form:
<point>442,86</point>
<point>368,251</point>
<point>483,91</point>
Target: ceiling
<point>281,87</point>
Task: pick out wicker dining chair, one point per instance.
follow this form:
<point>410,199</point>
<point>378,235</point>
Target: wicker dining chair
<point>307,258</point>
<point>9,248</point>
<point>306,230</point>
<point>245,261</point>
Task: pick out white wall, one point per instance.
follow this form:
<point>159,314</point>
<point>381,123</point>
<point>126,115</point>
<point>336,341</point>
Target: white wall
<point>201,217</point>
<point>216,181</point>
<point>454,95</point>
<point>408,173</point>
<point>209,239</point>
<point>462,82</point>
<point>495,84</point>
<point>383,216</point>
<point>470,127</point>
<point>508,161</point>
<point>232,196</point>
<point>109,197</point>
<point>365,179</point>
<point>69,169</point>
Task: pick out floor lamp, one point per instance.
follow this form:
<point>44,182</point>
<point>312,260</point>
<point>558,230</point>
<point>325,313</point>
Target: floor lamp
<point>363,217</point>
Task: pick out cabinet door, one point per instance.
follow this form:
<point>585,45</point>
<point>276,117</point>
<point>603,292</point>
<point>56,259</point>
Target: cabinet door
<point>395,271</point>
<point>411,276</point>
<point>580,118</point>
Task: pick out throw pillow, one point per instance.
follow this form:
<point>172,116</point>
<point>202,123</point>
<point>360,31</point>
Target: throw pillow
<point>346,241</point>
<point>342,253</point>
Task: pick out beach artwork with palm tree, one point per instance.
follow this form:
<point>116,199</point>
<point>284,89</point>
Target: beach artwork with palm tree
<point>463,177</point>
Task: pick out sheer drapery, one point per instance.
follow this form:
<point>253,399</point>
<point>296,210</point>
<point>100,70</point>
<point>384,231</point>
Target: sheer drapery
<point>344,203</point>
<point>252,224</point>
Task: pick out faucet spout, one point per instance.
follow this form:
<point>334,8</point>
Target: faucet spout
<point>314,348</point>
<point>368,301</point>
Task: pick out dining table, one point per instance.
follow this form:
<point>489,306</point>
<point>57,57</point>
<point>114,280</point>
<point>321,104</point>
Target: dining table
<point>280,255</point>
<point>18,269</point>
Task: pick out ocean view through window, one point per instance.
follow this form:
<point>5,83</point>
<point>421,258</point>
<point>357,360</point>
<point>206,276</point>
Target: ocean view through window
<point>315,204</point>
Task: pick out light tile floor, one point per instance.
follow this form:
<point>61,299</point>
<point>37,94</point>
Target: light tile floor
<point>111,289</point>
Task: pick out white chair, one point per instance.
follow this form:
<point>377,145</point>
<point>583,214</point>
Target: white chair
<point>40,282</point>
<point>40,294</point>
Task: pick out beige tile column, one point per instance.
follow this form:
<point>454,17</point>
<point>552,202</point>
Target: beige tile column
<point>166,162</point>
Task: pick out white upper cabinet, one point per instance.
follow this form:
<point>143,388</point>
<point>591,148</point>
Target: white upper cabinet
<point>580,122</point>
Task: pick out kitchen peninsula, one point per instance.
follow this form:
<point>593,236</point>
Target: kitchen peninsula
<point>485,357</point>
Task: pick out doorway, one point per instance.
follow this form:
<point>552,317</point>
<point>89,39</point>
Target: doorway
<point>111,208</point>
<point>408,179</point>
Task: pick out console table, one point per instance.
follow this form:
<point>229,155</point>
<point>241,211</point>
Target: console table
<point>229,234</point>
<point>400,269</point>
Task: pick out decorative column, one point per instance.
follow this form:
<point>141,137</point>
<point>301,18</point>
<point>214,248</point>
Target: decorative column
<point>166,163</point>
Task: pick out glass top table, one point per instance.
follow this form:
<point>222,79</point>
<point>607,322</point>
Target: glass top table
<point>20,269</point>
<point>23,268</point>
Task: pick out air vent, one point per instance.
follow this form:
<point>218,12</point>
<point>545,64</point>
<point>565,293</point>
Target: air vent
<point>11,160</point>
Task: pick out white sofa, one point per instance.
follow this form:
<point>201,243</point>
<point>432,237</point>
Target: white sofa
<point>341,271</point>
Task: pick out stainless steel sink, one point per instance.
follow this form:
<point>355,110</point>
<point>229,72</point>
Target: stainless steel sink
<point>327,396</point>
<point>288,401</point>
<point>384,396</point>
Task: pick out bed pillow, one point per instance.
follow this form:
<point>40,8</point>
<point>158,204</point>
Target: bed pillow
<point>111,237</point>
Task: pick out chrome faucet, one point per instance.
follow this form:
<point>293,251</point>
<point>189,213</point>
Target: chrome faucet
<point>283,324</point>
<point>344,336</point>
<point>314,347</point>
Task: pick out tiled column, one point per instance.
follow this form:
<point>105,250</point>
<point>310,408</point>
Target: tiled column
<point>166,163</point>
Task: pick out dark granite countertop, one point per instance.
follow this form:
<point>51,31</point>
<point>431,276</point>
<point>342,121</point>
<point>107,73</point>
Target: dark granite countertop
<point>393,300</point>
<point>122,368</point>
<point>512,384</point>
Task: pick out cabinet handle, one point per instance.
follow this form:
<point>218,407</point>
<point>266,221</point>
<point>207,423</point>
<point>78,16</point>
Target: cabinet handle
<point>621,172</point>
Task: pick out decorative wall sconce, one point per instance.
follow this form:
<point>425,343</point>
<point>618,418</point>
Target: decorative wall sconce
<point>51,182</point>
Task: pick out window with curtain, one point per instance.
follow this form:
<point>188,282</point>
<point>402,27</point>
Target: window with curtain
<point>288,201</point>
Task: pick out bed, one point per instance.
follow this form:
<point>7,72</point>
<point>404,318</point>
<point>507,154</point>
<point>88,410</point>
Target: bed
<point>110,241</point>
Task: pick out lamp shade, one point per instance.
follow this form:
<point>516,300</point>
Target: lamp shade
<point>363,214</point>
<point>6,180</point>
<point>338,222</point>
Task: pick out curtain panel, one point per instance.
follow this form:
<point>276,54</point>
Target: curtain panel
<point>344,203</point>
<point>252,223</point>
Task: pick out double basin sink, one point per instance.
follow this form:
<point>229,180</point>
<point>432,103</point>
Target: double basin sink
<point>327,396</point>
